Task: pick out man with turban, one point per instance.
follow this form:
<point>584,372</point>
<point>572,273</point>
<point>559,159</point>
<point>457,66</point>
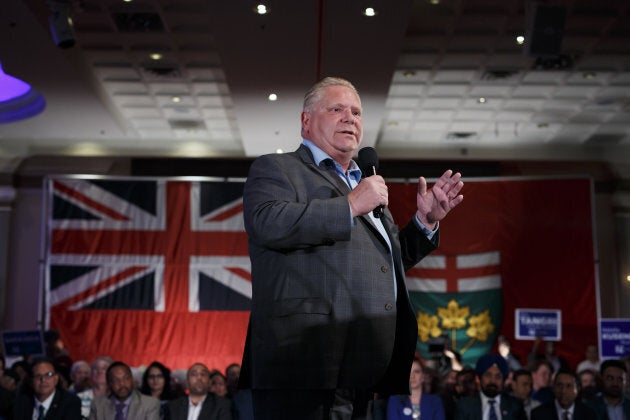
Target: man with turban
<point>490,403</point>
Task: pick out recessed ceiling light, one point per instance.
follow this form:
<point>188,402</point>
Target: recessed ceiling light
<point>156,56</point>
<point>261,9</point>
<point>273,97</point>
<point>589,75</point>
<point>409,73</point>
<point>369,11</point>
<point>176,99</point>
<point>627,278</point>
<point>434,1</point>
<point>127,1</point>
<point>520,39</point>
<point>279,151</point>
<point>482,100</point>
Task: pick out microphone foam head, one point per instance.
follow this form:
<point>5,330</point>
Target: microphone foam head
<point>368,159</point>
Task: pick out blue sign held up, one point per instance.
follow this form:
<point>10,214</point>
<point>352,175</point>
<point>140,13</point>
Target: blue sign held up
<point>614,338</point>
<point>19,343</point>
<point>532,323</point>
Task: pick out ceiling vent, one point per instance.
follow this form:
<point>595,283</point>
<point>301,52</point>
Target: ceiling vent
<point>497,74</point>
<point>461,135</point>
<point>163,72</point>
<point>191,125</point>
<point>138,22</point>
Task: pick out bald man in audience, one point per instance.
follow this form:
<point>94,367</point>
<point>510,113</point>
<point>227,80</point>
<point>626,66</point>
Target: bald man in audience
<point>200,404</point>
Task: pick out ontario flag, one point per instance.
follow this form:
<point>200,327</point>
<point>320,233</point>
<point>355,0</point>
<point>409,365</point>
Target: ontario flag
<point>457,298</point>
<point>143,270</point>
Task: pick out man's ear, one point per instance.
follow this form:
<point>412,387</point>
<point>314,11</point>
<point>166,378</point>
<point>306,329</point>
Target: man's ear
<point>306,119</point>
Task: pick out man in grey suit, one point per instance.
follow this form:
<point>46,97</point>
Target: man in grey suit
<point>331,322</point>
<point>200,404</point>
<point>124,402</point>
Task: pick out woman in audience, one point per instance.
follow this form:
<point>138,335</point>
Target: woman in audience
<point>156,382</point>
<point>418,405</point>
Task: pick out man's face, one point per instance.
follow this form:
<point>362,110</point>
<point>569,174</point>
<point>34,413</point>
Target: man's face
<point>99,370</point>
<point>334,124</point>
<point>81,374</point>
<point>614,380</point>
<point>466,385</point>
<point>120,382</point>
<point>198,379</point>
<point>587,379</point>
<point>492,381</point>
<point>44,380</point>
<point>541,376</point>
<point>522,387</point>
<point>565,390</point>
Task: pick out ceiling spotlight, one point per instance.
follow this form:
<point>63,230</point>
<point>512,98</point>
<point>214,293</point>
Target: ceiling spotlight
<point>279,151</point>
<point>273,97</point>
<point>589,75</point>
<point>520,39</point>
<point>369,11</point>
<point>176,99</point>
<point>434,1</point>
<point>409,73</point>
<point>127,1</point>
<point>482,100</point>
<point>628,278</point>
<point>156,56</point>
<point>60,23</point>
<point>261,9</point>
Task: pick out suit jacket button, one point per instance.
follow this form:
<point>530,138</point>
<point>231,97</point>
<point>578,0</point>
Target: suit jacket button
<point>384,268</point>
<point>389,306</point>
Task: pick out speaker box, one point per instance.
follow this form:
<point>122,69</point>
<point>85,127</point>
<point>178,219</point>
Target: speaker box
<point>544,30</point>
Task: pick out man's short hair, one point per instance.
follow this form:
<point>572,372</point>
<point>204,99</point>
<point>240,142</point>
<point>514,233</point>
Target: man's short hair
<point>115,365</point>
<point>520,372</point>
<point>612,363</point>
<point>314,94</point>
<point>569,372</point>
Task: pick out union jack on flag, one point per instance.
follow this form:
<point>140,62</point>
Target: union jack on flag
<point>148,269</point>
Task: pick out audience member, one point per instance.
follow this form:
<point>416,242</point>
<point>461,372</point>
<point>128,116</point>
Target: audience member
<point>566,405</point>
<point>200,402</point>
<point>466,382</point>
<point>98,384</point>
<point>218,383</point>
<point>42,397</point>
<point>549,354</point>
<point>124,402</point>
<point>591,362</point>
<point>612,404</point>
<point>417,405</point>
<point>10,380</point>
<point>492,371</point>
<point>589,387</point>
<point>522,389</point>
<point>505,350</point>
<point>232,374</point>
<point>156,383</point>
<point>541,381</point>
<point>79,376</point>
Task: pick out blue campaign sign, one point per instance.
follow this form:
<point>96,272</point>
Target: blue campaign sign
<point>532,323</point>
<point>19,343</point>
<point>614,338</point>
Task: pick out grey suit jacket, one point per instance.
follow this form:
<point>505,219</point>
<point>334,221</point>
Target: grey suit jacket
<point>142,407</point>
<point>324,312</point>
<point>213,408</point>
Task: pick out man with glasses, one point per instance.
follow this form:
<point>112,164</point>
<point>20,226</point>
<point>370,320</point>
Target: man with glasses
<point>45,399</point>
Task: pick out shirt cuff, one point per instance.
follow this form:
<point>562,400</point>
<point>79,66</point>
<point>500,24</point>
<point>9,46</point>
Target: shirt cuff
<point>427,232</point>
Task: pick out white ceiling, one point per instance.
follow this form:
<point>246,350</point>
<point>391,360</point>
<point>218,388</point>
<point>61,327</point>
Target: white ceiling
<point>421,69</point>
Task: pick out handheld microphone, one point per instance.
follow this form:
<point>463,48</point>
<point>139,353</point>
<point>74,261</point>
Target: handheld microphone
<point>368,163</point>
